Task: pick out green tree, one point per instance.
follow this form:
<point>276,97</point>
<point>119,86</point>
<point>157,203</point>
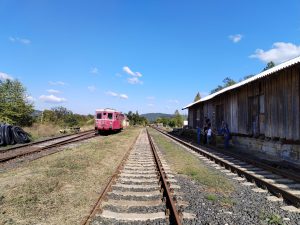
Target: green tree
<point>14,106</point>
<point>269,65</point>
<point>226,83</point>
<point>136,119</point>
<point>172,122</point>
<point>48,116</point>
<point>216,89</point>
<point>178,119</point>
<point>197,97</point>
<point>248,76</point>
<point>61,113</point>
<point>71,120</point>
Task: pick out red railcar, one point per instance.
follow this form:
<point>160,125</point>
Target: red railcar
<point>108,119</point>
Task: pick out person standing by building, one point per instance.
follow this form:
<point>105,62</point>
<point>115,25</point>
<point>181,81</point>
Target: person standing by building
<point>226,133</point>
<point>209,134</point>
<point>205,128</point>
<point>198,135</point>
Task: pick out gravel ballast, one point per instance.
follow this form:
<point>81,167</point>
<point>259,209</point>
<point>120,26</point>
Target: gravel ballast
<point>240,206</point>
<point>245,207</point>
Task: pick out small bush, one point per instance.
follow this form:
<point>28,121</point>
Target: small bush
<point>211,197</point>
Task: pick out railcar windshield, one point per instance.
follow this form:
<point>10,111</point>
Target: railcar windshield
<point>99,116</point>
<point>110,116</point>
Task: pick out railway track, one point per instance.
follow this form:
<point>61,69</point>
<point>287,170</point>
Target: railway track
<point>20,151</point>
<point>143,190</point>
<point>276,181</point>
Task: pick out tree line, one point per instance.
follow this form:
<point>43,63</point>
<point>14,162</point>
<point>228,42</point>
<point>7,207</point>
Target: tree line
<point>16,109</point>
<point>228,81</point>
<point>175,121</point>
<point>136,119</point>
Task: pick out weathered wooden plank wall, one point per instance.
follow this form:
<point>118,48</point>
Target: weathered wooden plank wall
<point>282,105</point>
<point>277,93</point>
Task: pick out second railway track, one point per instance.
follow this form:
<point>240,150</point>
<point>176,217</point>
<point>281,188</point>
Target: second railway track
<point>144,191</point>
<point>20,151</point>
<point>274,180</point>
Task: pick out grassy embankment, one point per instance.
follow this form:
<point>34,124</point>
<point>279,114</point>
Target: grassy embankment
<point>215,185</point>
<point>60,189</point>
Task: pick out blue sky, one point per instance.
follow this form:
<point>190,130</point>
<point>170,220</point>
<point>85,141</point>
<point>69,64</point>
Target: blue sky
<point>150,56</point>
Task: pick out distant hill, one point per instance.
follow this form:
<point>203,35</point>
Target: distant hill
<point>153,116</point>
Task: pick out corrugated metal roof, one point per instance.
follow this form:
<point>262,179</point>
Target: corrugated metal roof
<point>256,77</point>
<point>106,109</point>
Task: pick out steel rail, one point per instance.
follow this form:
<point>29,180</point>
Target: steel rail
<point>289,197</point>
<point>64,142</point>
<point>107,187</point>
<point>163,178</point>
<point>247,160</point>
<point>42,141</point>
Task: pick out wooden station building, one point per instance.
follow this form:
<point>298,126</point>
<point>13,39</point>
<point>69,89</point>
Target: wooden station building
<point>262,112</point>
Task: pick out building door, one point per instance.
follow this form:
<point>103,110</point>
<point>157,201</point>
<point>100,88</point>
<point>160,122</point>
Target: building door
<point>219,115</point>
<point>262,114</point>
<point>253,115</point>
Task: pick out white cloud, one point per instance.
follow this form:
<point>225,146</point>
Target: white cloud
<point>52,99</point>
<point>59,83</point>
<point>20,40</point>
<point>235,38</point>
<point>138,74</point>
<point>52,91</point>
<point>280,52</point>
<point>135,76</point>
<point>94,70</point>
<point>134,80</point>
<point>111,93</point>
<point>5,76</point>
<point>123,96</point>
<point>92,88</point>
<point>114,94</point>
<point>127,70</point>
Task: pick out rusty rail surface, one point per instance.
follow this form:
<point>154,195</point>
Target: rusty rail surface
<point>163,178</point>
<point>262,165</point>
<point>42,141</point>
<point>80,137</point>
<point>289,197</point>
<point>107,187</point>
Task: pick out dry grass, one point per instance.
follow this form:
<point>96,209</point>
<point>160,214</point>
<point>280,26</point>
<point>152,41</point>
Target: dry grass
<point>185,163</point>
<point>40,131</point>
<point>60,189</point>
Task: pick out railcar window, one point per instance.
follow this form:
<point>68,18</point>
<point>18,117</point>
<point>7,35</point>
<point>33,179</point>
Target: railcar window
<point>110,116</point>
<point>99,116</point>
